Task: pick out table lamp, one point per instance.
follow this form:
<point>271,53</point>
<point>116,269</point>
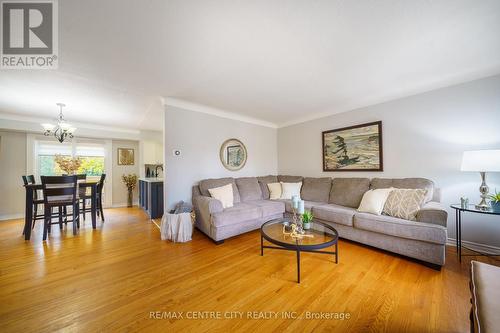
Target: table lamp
<point>482,161</point>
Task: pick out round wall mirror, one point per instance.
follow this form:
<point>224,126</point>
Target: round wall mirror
<point>233,154</point>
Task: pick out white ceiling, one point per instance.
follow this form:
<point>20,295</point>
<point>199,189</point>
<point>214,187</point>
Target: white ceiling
<point>276,61</point>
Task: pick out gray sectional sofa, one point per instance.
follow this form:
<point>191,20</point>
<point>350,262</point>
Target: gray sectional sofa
<point>333,201</point>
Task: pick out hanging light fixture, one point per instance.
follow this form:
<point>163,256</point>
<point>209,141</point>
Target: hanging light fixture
<point>62,130</point>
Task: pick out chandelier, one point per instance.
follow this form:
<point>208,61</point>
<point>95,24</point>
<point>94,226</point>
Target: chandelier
<point>62,130</point>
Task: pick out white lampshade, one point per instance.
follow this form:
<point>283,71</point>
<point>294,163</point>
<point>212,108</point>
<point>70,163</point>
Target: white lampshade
<point>481,160</point>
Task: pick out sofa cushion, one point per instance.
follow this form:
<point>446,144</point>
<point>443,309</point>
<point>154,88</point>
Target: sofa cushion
<point>420,183</point>
<point>263,181</point>
<point>289,179</point>
<point>485,290</point>
<point>269,208</point>
<point>249,188</point>
<point>392,226</point>
<point>239,213</point>
<point>316,189</point>
<point>205,184</point>
<point>348,191</point>
<point>334,213</point>
<point>308,205</point>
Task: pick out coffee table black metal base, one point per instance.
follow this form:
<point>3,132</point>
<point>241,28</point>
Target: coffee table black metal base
<point>297,248</point>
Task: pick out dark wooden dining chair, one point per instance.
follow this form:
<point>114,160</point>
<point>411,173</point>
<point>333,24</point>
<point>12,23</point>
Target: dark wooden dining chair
<point>82,193</point>
<point>88,196</point>
<point>59,191</point>
<point>99,195</point>
<point>30,179</point>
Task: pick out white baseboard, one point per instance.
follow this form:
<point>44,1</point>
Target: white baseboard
<point>11,216</point>
<point>489,249</point>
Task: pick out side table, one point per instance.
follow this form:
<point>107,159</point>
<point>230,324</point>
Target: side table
<point>458,226</point>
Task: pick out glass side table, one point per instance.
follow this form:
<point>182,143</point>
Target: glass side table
<point>458,226</point>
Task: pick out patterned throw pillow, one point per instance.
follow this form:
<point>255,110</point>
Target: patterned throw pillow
<point>404,203</point>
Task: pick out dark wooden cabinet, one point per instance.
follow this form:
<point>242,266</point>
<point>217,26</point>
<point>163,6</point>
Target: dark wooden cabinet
<point>151,197</point>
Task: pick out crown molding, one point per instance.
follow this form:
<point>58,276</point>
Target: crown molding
<point>179,103</point>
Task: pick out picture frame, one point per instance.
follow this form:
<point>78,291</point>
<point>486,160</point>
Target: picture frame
<point>126,156</point>
<point>233,154</point>
<point>353,148</point>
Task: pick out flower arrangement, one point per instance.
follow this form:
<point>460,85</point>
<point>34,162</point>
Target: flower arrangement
<point>68,164</point>
<point>130,182</point>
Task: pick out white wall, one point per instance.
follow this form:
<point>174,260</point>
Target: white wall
<point>199,137</point>
<point>120,193</point>
<point>12,167</point>
<point>423,136</point>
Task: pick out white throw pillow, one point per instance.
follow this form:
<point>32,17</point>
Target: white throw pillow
<point>274,191</point>
<point>224,194</point>
<point>374,200</point>
<point>288,190</point>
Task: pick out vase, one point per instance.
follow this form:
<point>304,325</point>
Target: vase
<point>306,225</point>
<point>130,196</point>
<point>495,206</point>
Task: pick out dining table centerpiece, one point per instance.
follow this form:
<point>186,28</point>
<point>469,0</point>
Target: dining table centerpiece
<point>68,164</point>
<point>130,182</point>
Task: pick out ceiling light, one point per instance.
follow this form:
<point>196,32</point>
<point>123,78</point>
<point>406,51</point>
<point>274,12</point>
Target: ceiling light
<point>62,130</point>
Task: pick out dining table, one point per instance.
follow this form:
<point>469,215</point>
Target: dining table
<point>30,188</point>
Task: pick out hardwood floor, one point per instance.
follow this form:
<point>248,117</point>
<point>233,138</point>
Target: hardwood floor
<point>112,278</point>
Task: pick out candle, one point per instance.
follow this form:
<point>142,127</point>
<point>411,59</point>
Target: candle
<point>301,207</point>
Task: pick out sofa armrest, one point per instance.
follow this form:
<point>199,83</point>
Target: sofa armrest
<point>204,208</point>
<point>207,204</point>
<point>433,212</point>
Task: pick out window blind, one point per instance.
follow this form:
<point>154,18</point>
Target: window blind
<point>51,148</point>
<point>89,150</point>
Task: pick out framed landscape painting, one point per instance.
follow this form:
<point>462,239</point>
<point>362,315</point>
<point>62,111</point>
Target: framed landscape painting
<point>354,148</point>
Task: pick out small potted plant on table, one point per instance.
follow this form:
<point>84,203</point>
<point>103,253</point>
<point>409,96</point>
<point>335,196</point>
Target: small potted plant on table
<point>307,217</point>
<point>495,201</point>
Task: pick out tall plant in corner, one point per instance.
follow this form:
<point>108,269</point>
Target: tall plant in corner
<point>130,182</point>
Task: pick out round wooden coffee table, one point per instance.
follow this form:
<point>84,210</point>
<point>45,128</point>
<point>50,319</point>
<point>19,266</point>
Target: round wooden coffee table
<point>322,236</point>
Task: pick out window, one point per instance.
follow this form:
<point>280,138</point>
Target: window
<point>91,154</point>
<point>95,155</point>
<point>46,152</point>
<point>92,157</point>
